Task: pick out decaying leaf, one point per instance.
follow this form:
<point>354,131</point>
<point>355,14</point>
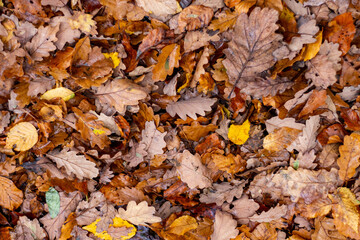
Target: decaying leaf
<point>11,197</point>
<point>349,158</point>
<point>138,214</point>
<point>22,137</point>
<point>224,227</point>
<point>167,61</point>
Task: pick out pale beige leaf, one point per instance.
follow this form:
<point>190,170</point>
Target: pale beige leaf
<point>253,42</point>
<point>27,229</point>
<point>223,192</point>
<point>42,43</point>
<point>119,93</point>
<point>73,163</point>
<point>160,9</point>
<point>86,211</point>
<point>138,214</point>
<point>4,120</point>
<point>204,59</point>
<point>272,214</point>
<point>214,4</point>
<point>192,171</point>
<point>153,140</point>
<point>190,107</point>
<point>22,137</point>
<point>242,209</point>
<point>196,39</point>
<point>224,227</point>
<point>322,68</point>
<point>307,32</point>
<point>68,204</point>
<point>275,122</point>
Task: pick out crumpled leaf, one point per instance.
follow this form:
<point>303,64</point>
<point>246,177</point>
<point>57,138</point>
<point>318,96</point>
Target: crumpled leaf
<point>262,87</point>
<point>153,140</point>
<point>53,201</point>
<point>68,204</point>
<point>10,196</point>
<point>307,32</point>
<point>349,158</point>
<point>194,17</point>
<point>323,67</point>
<point>190,107</point>
<point>119,93</point>
<point>22,137</point>
<point>138,214</point>
<point>252,44</point>
<point>42,43</point>
<point>346,214</point>
<point>159,8</point>
<point>280,138</point>
<point>270,215</point>
<point>182,225</point>
<point>224,227</point>
<point>73,163</point>
<point>192,171</point>
<point>239,134</point>
<point>242,209</point>
<point>27,229</point>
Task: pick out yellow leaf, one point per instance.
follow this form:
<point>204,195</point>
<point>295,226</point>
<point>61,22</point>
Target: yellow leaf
<point>345,212</point>
<point>313,48</point>
<point>225,21</point>
<point>83,22</point>
<point>117,223</point>
<point>64,93</point>
<point>182,225</point>
<point>114,57</point>
<point>239,134</point>
<point>244,6</point>
<point>23,136</point>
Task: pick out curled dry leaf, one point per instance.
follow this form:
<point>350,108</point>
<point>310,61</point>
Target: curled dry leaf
<point>194,17</point>
<point>21,137</point>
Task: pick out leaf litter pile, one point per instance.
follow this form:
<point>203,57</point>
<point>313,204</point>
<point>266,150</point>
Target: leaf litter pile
<point>166,119</point>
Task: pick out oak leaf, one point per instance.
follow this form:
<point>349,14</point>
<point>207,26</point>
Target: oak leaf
<point>153,140</point>
<point>68,204</point>
<point>224,227</point>
<point>27,229</point>
<point>196,39</point>
<point>225,21</point>
<point>138,214</point>
<point>250,49</point>
<point>10,196</point>
<point>190,107</point>
<point>197,131</point>
<point>160,9</point>
<point>73,163</point>
<point>42,43</point>
<point>262,87</point>
<point>270,215</point>
<point>307,31</point>
<point>119,93</point>
<point>242,209</point>
<point>192,171</point>
<point>280,138</point>
<point>182,225</point>
<point>167,61</point>
<point>349,158</point>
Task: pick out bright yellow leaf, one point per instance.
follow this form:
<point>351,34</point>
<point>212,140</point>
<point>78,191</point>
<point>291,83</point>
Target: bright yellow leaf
<point>22,136</point>
<point>117,223</point>
<point>239,134</point>
<point>64,93</point>
<point>114,57</point>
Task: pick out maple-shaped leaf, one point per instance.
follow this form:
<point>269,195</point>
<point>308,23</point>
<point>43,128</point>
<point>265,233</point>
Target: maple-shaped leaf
<point>190,107</point>
<point>223,192</point>
<point>153,140</point>
<point>349,158</point>
<point>68,204</point>
<point>301,183</point>
<point>224,226</point>
<point>270,215</point>
<point>91,129</point>
<point>253,42</point>
<point>27,229</point>
<point>138,214</point>
<point>119,93</point>
<point>167,61</point>
<point>73,163</point>
<point>192,171</point>
<point>42,43</point>
<point>10,196</point>
<point>323,67</point>
<point>345,210</point>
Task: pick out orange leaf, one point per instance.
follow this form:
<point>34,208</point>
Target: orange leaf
<point>349,156</point>
<point>10,196</point>
<point>167,61</point>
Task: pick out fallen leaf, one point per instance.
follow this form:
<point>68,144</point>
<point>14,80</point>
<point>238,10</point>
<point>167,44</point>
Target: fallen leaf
<point>182,225</point>
<point>194,17</point>
<point>225,21</point>
<point>224,227</point>
<point>280,138</point>
<point>61,92</point>
<point>159,8</point>
<point>29,229</point>
<point>349,158</point>
<point>239,134</point>
<point>11,197</point>
<point>53,201</point>
<point>271,215</point>
<point>22,137</point>
<point>196,131</point>
<point>138,214</point>
<point>167,61</point>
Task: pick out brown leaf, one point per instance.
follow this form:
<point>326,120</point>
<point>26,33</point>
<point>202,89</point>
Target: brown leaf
<point>154,37</point>
<point>194,17</point>
<point>351,119</point>
<point>27,229</point>
<point>316,100</point>
<point>167,61</point>
<point>197,131</point>
<point>271,215</point>
<point>349,158</point>
<point>91,129</point>
<point>280,139</point>
<point>224,226</point>
<point>10,196</point>
<point>225,21</point>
